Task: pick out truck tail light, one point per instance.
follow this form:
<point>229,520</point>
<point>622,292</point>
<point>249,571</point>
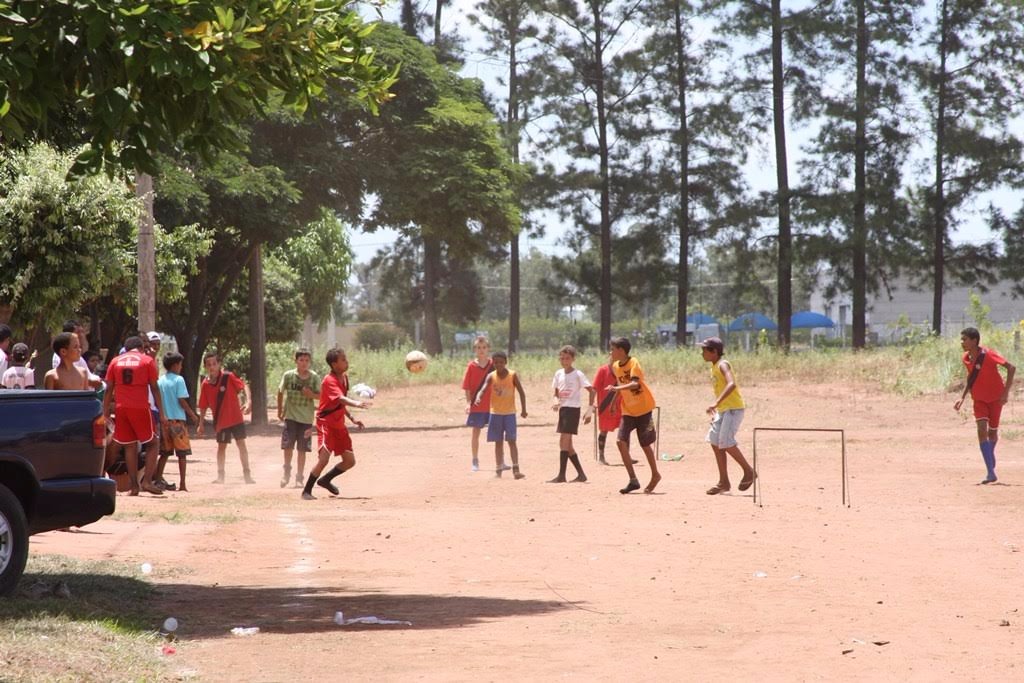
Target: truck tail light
<point>99,432</point>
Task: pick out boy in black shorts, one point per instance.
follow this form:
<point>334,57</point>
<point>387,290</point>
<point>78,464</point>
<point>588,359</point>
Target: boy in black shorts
<point>296,403</point>
<point>568,386</point>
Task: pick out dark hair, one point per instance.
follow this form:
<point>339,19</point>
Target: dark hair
<point>62,341</point>
<point>89,354</point>
<point>172,358</point>
<point>569,349</point>
<point>70,325</point>
<point>971,333</point>
<point>134,342</point>
<point>500,354</point>
<point>333,355</point>
<point>19,352</point>
<point>5,332</point>
<point>621,343</point>
<point>303,351</point>
<point>211,354</point>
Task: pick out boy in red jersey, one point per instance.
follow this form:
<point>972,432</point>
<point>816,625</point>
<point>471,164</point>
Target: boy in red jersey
<point>609,408</point>
<point>219,392</point>
<point>130,379</point>
<point>477,416</point>
<point>331,432</point>
<point>988,391</point>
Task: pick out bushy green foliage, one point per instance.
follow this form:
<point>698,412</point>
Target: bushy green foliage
<point>380,337</point>
<point>65,241</point>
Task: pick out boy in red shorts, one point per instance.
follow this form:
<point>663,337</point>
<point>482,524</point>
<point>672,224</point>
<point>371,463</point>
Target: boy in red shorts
<point>331,432</point>
<point>130,379</point>
<point>988,391</point>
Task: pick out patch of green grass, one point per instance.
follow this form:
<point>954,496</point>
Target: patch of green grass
<point>178,517</point>
<point>101,630</point>
<point>931,365</point>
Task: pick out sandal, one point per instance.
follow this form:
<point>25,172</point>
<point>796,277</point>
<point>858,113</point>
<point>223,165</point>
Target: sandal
<point>747,483</point>
<point>716,489</point>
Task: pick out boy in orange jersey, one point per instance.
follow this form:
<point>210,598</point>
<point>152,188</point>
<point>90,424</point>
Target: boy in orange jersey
<point>637,406</point>
<point>501,426</point>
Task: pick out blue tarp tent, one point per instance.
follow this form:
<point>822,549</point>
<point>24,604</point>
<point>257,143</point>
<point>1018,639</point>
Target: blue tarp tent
<point>752,321</point>
<point>810,319</point>
<point>700,319</point>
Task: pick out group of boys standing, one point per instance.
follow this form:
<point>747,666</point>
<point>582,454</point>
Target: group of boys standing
<point>624,403</point>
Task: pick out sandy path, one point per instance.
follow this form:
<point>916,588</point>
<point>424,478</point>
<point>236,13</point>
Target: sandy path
<point>504,579</point>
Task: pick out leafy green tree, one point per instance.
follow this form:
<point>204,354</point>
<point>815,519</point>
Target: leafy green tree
<point>151,76</point>
<point>594,85</point>
<point>284,302</point>
<point>854,163</point>
<point>66,241</point>
<point>321,258</point>
<point>442,175</point>
<point>971,90</point>
<point>698,129</point>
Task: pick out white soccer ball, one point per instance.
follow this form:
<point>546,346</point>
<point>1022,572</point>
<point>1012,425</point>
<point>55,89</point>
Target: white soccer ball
<point>416,361</point>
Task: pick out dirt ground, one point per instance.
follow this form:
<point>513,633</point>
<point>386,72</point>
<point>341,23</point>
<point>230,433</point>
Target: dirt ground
<point>920,578</point>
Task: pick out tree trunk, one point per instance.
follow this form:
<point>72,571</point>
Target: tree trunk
<point>605,189</point>
<point>431,273</point>
<point>683,273</point>
<point>512,133</point>
<point>939,234</point>
<point>785,266</point>
<point>860,238</point>
<point>438,4</point>
<point>408,18</point>
<point>146,254</point>
<point>257,340</point>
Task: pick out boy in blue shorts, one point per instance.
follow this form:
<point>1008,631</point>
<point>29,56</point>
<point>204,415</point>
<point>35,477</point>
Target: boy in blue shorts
<point>503,383</point>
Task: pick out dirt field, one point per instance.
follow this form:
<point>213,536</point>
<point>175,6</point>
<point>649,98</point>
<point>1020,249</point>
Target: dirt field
<point>920,579</point>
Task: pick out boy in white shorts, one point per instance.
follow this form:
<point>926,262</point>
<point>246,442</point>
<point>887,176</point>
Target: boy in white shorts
<point>568,386</point>
<point>726,415</point>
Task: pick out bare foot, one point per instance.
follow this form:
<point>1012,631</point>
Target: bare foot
<point>557,480</point>
<point>580,479</point>
<point>655,478</point>
<point>133,492</point>
<point>182,488</point>
<point>153,490</point>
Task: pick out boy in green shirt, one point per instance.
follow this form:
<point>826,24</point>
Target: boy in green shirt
<point>296,402</point>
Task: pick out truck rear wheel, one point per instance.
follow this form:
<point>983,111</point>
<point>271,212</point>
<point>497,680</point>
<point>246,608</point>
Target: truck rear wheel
<point>13,540</point>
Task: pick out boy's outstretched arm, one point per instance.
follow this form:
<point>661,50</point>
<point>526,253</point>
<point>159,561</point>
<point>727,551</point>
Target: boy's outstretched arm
<point>480,394</point>
<point>522,394</point>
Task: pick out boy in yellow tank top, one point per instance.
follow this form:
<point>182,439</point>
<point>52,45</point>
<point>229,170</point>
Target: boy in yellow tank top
<point>637,405</point>
<point>726,415</point>
<point>503,383</point>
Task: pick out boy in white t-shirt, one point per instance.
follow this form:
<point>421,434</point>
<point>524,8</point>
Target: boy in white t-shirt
<point>568,386</point>
<point>18,376</point>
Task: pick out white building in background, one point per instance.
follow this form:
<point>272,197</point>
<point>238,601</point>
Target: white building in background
<point>903,303</point>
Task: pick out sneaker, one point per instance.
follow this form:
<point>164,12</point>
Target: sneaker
<point>476,465</point>
<point>286,478</point>
<point>328,485</point>
<point>308,496</point>
<point>299,484</point>
<point>249,480</point>
<point>505,467</point>
<point>218,480</point>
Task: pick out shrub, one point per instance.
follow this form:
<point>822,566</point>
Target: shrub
<point>381,337</point>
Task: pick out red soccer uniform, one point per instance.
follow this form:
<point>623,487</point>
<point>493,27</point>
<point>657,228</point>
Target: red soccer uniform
<point>330,415</point>
<point>230,413</point>
<point>130,375</point>
<point>989,386</point>
<point>608,420</point>
<point>473,380</point>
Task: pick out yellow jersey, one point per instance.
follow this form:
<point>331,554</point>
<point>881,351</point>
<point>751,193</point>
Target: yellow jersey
<point>734,401</point>
<point>637,400</point>
<point>503,394</point>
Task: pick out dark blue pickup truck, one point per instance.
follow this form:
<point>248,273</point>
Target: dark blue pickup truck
<point>51,470</point>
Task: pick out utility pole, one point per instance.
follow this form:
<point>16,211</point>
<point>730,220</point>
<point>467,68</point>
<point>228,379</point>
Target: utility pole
<point>146,255</point>
<point>257,339</point>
